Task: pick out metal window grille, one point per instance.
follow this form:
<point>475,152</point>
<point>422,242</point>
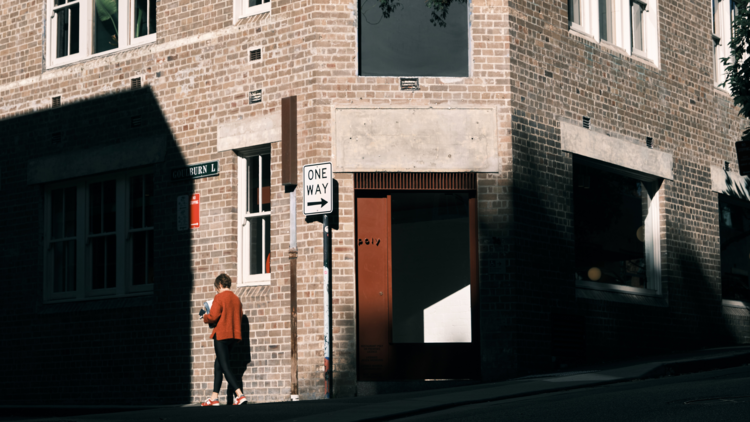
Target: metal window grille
<point>410,84</point>
<point>255,55</point>
<point>136,121</point>
<point>415,181</point>
<point>135,83</point>
<point>256,96</point>
<point>56,101</point>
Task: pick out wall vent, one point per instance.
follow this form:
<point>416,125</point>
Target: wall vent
<point>410,84</point>
<point>136,121</point>
<point>57,137</point>
<point>586,122</point>
<point>415,181</point>
<point>256,96</point>
<point>255,55</point>
<point>56,102</point>
<point>135,83</point>
<point>726,165</point>
<point>650,142</point>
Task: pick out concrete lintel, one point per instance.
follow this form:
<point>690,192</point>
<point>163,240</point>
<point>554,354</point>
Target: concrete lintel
<point>415,139</point>
<point>599,146</point>
<point>730,183</point>
<point>249,132</point>
<point>101,159</point>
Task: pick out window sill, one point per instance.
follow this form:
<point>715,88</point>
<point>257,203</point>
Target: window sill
<point>96,304</point>
<point>257,280</point>
<point>735,304</point>
<point>643,59</point>
<point>585,36</point>
<point>63,63</point>
<point>722,91</point>
<point>621,294</point>
<point>248,12</point>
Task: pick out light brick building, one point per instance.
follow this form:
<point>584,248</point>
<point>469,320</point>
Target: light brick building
<point>531,185</point>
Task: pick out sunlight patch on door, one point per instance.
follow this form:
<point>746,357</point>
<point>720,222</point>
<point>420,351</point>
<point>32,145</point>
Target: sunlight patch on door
<point>449,320</point>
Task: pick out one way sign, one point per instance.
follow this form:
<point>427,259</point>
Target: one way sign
<point>318,195</point>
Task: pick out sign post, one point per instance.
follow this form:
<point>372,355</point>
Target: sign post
<point>318,199</point>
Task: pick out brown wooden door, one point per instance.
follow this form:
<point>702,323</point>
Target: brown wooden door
<point>372,295</point>
<point>379,357</point>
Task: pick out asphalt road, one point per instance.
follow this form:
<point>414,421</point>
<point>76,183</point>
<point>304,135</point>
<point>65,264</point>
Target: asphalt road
<point>722,395</point>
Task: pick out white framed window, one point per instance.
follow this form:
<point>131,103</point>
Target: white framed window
<point>616,226</point>
<point>245,8</point>
<point>722,17</point>
<point>79,29</point>
<point>631,25</point>
<point>254,219</point>
<point>99,237</point>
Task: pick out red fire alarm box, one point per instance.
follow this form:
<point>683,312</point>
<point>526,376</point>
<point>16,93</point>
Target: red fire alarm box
<point>195,211</point>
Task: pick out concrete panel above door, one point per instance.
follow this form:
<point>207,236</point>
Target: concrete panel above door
<point>415,139</point>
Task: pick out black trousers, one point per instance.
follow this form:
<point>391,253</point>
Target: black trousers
<point>221,365</point>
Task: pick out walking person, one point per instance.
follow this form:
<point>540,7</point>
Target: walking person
<point>225,312</point>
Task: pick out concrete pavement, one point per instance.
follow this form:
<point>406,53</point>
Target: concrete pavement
<point>394,406</point>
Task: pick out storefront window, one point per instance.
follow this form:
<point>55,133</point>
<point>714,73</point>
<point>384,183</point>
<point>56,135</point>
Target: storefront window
<point>734,226</point>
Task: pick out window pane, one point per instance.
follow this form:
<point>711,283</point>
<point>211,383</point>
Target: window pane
<point>103,262</point>
<point>407,43</point>
<point>63,26</point>
<point>715,20</point>
<point>574,11</point>
<point>637,35</point>
<point>95,208</point>
<point>64,266</point>
<point>252,185</point>
<point>143,258</point>
<point>148,195</point>
<point>256,254</point>
<point>734,230</point>
<point>70,212</point>
<point>136,202</point>
<point>610,227</point>
<point>74,28</point>
<point>144,18</point>
<point>109,205</point>
<point>57,213</point>
<point>267,244</point>
<point>106,33</point>
<point>604,20</point>
<point>266,192</point>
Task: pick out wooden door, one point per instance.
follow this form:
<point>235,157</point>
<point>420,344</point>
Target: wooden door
<point>374,357</point>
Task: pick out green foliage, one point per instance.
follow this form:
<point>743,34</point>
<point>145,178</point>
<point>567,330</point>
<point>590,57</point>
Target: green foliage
<point>738,69</point>
<point>439,9</point>
<point>106,10</point>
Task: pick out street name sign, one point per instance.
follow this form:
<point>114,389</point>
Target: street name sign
<point>196,171</point>
<point>318,189</point>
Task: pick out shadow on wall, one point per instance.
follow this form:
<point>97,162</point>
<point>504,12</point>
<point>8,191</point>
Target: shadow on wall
<point>126,345</point>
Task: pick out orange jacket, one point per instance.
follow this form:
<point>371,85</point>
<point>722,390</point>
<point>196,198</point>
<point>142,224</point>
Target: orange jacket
<point>226,312</point>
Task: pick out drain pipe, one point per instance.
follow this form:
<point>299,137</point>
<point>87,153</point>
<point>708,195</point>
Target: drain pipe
<point>289,180</point>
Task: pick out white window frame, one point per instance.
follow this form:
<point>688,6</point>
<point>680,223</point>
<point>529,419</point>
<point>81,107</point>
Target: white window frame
<point>123,241</point>
<point>621,27</point>
<point>242,9</point>
<point>125,41</point>
<point>652,243</point>
<point>722,22</point>
<point>244,278</point>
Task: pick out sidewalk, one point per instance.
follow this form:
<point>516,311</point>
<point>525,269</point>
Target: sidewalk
<point>392,406</point>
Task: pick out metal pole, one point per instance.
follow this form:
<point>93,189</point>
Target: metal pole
<point>293,289</point>
<point>327,306</point>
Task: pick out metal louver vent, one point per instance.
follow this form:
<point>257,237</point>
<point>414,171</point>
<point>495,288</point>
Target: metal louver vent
<point>410,84</point>
<point>136,121</point>
<point>256,96</point>
<point>726,165</point>
<point>415,181</point>
<point>650,142</point>
<point>586,122</point>
<point>255,55</point>
<point>57,137</point>
<point>56,101</point>
<point>135,83</point>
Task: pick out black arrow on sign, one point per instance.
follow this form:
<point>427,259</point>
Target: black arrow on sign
<point>322,203</point>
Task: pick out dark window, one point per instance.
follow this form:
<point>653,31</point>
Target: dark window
<point>734,228</point>
<point>407,43</point>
